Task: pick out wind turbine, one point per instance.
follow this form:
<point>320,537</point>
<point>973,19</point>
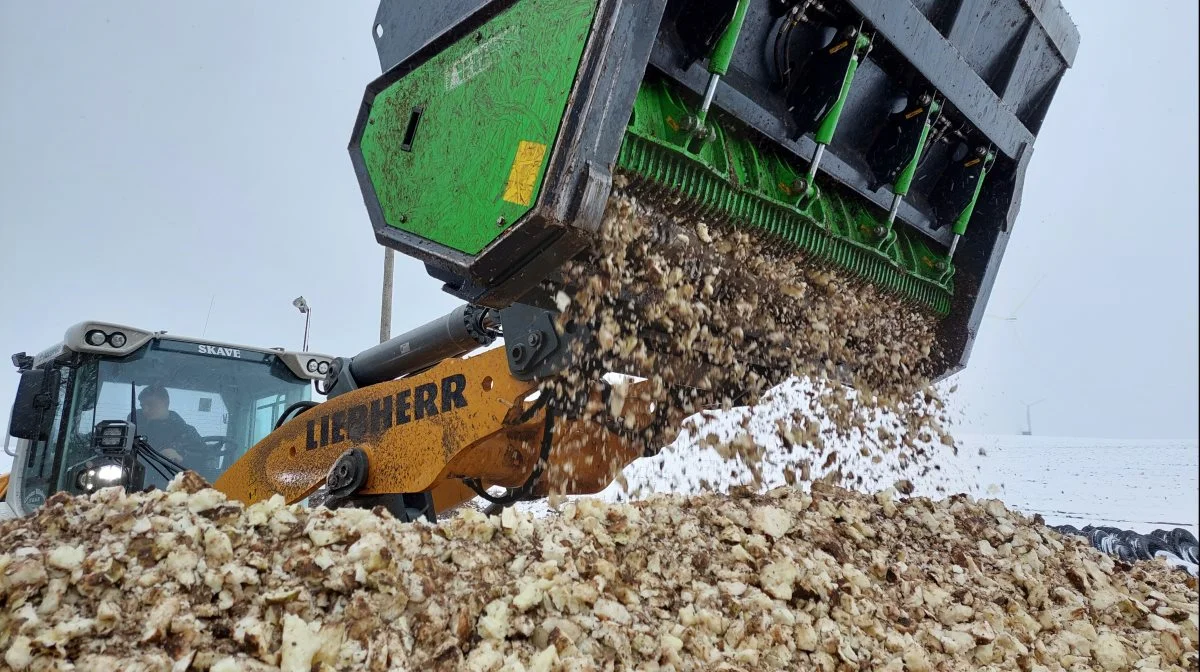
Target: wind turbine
<point>1012,317</point>
<point>1028,417</point>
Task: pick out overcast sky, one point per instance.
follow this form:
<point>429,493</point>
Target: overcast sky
<point>157,158</point>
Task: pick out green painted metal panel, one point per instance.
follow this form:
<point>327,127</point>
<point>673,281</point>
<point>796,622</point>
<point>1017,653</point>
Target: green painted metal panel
<point>456,150</point>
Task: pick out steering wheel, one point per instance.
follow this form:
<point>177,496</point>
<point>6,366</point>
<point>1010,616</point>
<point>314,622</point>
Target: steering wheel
<point>220,445</point>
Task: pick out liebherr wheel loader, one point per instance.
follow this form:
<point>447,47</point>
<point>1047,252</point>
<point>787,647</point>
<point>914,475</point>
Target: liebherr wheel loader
<point>888,139</point>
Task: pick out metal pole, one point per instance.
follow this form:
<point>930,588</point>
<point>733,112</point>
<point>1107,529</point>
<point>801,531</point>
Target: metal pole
<point>385,310</point>
<point>302,306</point>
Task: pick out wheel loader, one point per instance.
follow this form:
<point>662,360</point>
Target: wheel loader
<point>77,423</point>
<point>887,140</point>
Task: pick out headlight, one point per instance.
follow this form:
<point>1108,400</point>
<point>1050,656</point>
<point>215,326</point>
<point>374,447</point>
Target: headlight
<point>311,366</point>
<point>116,339</point>
<point>99,476</point>
<point>95,337</point>
<point>109,473</point>
<point>323,368</point>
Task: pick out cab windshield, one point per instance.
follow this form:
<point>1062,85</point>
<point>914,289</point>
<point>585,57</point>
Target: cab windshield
<point>203,411</point>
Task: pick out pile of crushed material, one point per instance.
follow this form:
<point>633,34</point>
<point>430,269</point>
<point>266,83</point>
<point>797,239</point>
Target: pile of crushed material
<point>825,580</point>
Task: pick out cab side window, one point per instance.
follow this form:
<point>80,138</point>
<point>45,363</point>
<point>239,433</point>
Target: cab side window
<point>267,411</point>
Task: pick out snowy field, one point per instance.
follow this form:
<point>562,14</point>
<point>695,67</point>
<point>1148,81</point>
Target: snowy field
<point>1135,485</point>
<point>1129,484</point>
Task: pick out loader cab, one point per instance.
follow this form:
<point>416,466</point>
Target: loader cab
<point>75,419</point>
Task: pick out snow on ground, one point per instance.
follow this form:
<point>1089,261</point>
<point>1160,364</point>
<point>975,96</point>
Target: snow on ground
<point>1130,484</point>
<point>1139,485</point>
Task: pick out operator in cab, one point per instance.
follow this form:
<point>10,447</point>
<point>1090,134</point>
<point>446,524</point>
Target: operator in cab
<point>167,431</point>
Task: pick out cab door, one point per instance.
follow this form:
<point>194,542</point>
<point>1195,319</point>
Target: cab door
<point>37,468</point>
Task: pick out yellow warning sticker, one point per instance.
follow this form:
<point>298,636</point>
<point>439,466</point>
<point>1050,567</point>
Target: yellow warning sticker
<point>524,172</point>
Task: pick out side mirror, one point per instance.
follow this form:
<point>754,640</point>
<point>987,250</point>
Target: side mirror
<point>31,414</point>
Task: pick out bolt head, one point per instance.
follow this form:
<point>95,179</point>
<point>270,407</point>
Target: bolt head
<point>500,221</point>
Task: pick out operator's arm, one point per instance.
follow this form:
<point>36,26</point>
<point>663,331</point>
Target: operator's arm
<point>190,437</point>
<point>184,439</point>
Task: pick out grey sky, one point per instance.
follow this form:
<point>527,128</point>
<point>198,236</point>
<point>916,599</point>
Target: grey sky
<point>213,136</point>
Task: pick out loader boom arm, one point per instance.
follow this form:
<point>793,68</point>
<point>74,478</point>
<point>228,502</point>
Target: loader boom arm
<point>463,420</point>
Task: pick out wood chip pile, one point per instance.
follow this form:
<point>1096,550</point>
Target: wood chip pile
<point>826,580</point>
